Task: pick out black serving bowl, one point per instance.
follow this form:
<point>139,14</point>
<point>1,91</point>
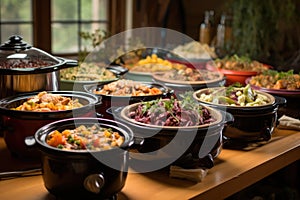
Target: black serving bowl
<point>109,101</point>
<point>18,124</point>
<point>251,123</point>
<point>190,146</point>
<point>83,174</point>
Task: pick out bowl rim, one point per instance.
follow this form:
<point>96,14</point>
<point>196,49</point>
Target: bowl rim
<point>211,67</point>
<point>157,77</point>
<point>214,112</point>
<point>92,100</point>
<point>90,87</point>
<point>89,82</point>
<point>237,72</point>
<point>41,134</point>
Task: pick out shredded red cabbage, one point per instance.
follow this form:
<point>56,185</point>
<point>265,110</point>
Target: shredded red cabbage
<point>171,112</point>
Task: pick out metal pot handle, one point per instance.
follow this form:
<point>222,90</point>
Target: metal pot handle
<point>30,141</point>
<point>66,63</point>
<point>117,69</point>
<point>94,183</point>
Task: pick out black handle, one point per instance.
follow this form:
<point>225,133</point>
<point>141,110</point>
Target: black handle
<point>117,69</point>
<point>169,92</point>
<point>228,117</point>
<point>266,134</point>
<point>281,101</point>
<point>94,183</point>
<point>15,43</point>
<point>206,162</point>
<point>66,63</point>
<point>99,101</point>
<point>136,143</point>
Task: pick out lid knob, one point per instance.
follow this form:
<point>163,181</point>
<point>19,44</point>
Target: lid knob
<point>15,43</point>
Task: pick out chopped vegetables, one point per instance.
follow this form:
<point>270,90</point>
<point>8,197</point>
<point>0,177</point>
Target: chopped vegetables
<point>155,64</point>
<point>84,137</point>
<point>127,88</point>
<point>46,102</point>
<point>273,79</point>
<point>190,74</point>
<point>172,112</point>
<point>234,96</point>
<point>240,63</point>
<point>87,72</point>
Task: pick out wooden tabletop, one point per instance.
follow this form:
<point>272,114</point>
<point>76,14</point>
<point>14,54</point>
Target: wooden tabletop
<point>234,170</point>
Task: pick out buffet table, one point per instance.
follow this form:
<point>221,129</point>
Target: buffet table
<point>234,170</point>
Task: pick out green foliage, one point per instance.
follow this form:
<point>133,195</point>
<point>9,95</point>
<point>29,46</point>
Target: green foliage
<point>94,39</point>
<point>261,29</point>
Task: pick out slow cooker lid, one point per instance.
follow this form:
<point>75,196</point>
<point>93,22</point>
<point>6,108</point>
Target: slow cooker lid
<point>15,43</point>
<point>16,48</point>
<point>18,57</point>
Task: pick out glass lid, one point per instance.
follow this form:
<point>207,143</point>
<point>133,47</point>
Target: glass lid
<point>18,57</point>
<point>15,54</point>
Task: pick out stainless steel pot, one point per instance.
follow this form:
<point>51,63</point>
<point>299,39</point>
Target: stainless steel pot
<point>24,68</point>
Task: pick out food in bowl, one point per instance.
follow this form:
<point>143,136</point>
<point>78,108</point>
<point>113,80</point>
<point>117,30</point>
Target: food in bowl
<point>152,63</point>
<point>85,137</point>
<point>87,72</point>
<point>273,79</point>
<point>175,130</point>
<point>189,75</point>
<point>234,95</point>
<point>254,111</point>
<point>195,50</point>
<point>25,63</point>
<point>125,87</point>
<point>46,102</point>
<point>19,124</point>
<point>126,92</point>
<point>240,63</point>
<point>171,112</point>
<point>237,69</point>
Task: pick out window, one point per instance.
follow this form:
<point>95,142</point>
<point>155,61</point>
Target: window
<point>80,15</point>
<point>16,18</point>
<point>54,25</point>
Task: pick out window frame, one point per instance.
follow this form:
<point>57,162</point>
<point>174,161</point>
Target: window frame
<point>41,11</point>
